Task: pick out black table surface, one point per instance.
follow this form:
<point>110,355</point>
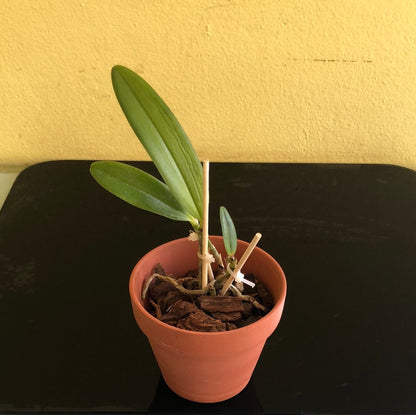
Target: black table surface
<point>345,236</point>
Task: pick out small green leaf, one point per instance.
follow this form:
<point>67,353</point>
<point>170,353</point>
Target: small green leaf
<point>228,231</point>
<point>163,138</point>
<point>138,188</point>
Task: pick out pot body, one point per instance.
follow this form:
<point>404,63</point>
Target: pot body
<point>206,367</point>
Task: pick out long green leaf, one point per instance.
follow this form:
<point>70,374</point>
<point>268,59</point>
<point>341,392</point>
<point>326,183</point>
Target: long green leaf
<point>228,231</point>
<point>163,138</point>
<point>137,188</point>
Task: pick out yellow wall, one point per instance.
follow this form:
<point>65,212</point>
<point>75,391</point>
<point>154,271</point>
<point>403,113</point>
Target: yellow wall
<point>250,80</point>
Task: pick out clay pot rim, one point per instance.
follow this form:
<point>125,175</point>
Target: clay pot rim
<point>276,307</point>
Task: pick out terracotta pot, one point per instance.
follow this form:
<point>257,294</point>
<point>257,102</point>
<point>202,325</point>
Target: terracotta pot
<point>206,367</point>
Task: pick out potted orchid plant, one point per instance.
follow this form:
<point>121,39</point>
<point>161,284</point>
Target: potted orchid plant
<point>206,321</point>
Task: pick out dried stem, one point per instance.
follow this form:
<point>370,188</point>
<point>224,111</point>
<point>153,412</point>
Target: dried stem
<point>248,298</point>
<point>204,291</point>
<point>175,284</point>
<point>157,308</point>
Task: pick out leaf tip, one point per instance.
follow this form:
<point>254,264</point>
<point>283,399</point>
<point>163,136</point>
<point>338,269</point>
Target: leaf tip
<point>93,167</point>
<point>116,69</point>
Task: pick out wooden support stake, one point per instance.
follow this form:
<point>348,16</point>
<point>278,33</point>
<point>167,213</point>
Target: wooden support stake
<point>241,263</point>
<point>205,260</point>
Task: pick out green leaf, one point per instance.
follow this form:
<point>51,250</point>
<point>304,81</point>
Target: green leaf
<point>163,138</point>
<point>228,231</point>
<point>138,188</point>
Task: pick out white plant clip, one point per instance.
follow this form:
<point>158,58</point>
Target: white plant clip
<point>193,236</point>
<point>239,277</point>
<point>206,258</point>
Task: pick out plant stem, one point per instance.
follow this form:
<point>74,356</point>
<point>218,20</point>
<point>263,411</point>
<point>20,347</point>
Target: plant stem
<point>217,256</point>
<point>200,262</point>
